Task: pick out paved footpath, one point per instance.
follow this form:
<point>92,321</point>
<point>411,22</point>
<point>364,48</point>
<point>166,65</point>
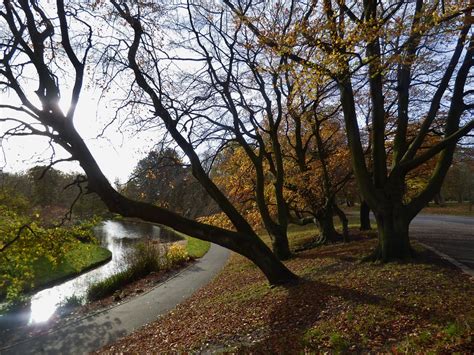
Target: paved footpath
<point>450,235</point>
<point>97,330</point>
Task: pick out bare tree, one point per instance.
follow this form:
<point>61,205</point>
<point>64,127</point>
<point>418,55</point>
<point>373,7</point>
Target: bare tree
<point>45,45</point>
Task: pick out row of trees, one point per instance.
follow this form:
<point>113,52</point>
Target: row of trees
<point>49,193</point>
<point>459,184</point>
<point>282,87</point>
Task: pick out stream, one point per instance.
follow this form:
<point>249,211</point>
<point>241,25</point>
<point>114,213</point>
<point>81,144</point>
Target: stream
<point>118,237</point>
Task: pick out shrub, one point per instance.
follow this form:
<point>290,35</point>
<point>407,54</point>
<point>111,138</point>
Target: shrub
<point>72,302</point>
<point>176,254</point>
<point>108,286</point>
<point>145,258</point>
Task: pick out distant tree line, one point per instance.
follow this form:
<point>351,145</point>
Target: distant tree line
<point>50,193</point>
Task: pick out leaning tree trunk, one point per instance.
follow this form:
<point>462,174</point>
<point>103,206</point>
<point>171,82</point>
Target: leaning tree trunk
<point>364,216</point>
<point>249,245</point>
<point>269,263</point>
<point>393,238</point>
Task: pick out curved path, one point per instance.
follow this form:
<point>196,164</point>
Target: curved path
<point>450,235</point>
<point>94,331</point>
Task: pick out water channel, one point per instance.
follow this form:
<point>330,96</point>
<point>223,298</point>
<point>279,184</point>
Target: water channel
<point>117,236</point>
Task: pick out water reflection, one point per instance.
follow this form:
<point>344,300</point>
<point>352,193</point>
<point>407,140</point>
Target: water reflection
<point>118,237</point>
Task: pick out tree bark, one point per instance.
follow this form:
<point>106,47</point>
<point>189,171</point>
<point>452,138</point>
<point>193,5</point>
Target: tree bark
<point>438,199</point>
<point>393,238</point>
<point>345,223</point>
<point>364,216</point>
<point>248,245</point>
<point>280,245</point>
<point>327,232</point>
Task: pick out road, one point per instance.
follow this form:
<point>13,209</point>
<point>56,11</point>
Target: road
<point>451,235</point>
<point>95,331</point>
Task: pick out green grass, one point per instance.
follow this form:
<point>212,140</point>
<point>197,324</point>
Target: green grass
<point>197,248</point>
<point>80,258</point>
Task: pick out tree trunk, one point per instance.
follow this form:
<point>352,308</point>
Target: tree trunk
<point>327,232</point>
<point>276,231</point>
<point>247,244</point>
<point>270,264</point>
<point>394,242</point>
<point>345,223</point>
<point>349,202</point>
<point>438,199</point>
<point>364,216</point>
<point>280,245</point>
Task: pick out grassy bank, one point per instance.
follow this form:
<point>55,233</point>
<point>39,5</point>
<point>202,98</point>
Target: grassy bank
<point>80,258</point>
<point>146,259</point>
<point>196,248</point>
<point>341,305</point>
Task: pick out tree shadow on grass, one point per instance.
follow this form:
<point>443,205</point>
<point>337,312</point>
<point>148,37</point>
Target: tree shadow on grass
<point>306,303</point>
<point>355,251</point>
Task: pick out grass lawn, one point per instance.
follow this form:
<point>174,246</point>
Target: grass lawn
<point>81,257</point>
<point>450,208</point>
<point>340,305</point>
<point>196,248</point>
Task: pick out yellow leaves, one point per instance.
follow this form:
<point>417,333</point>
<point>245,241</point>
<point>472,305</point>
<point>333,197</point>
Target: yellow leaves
<point>177,254</point>
<point>17,262</point>
<point>150,174</point>
<point>217,220</point>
